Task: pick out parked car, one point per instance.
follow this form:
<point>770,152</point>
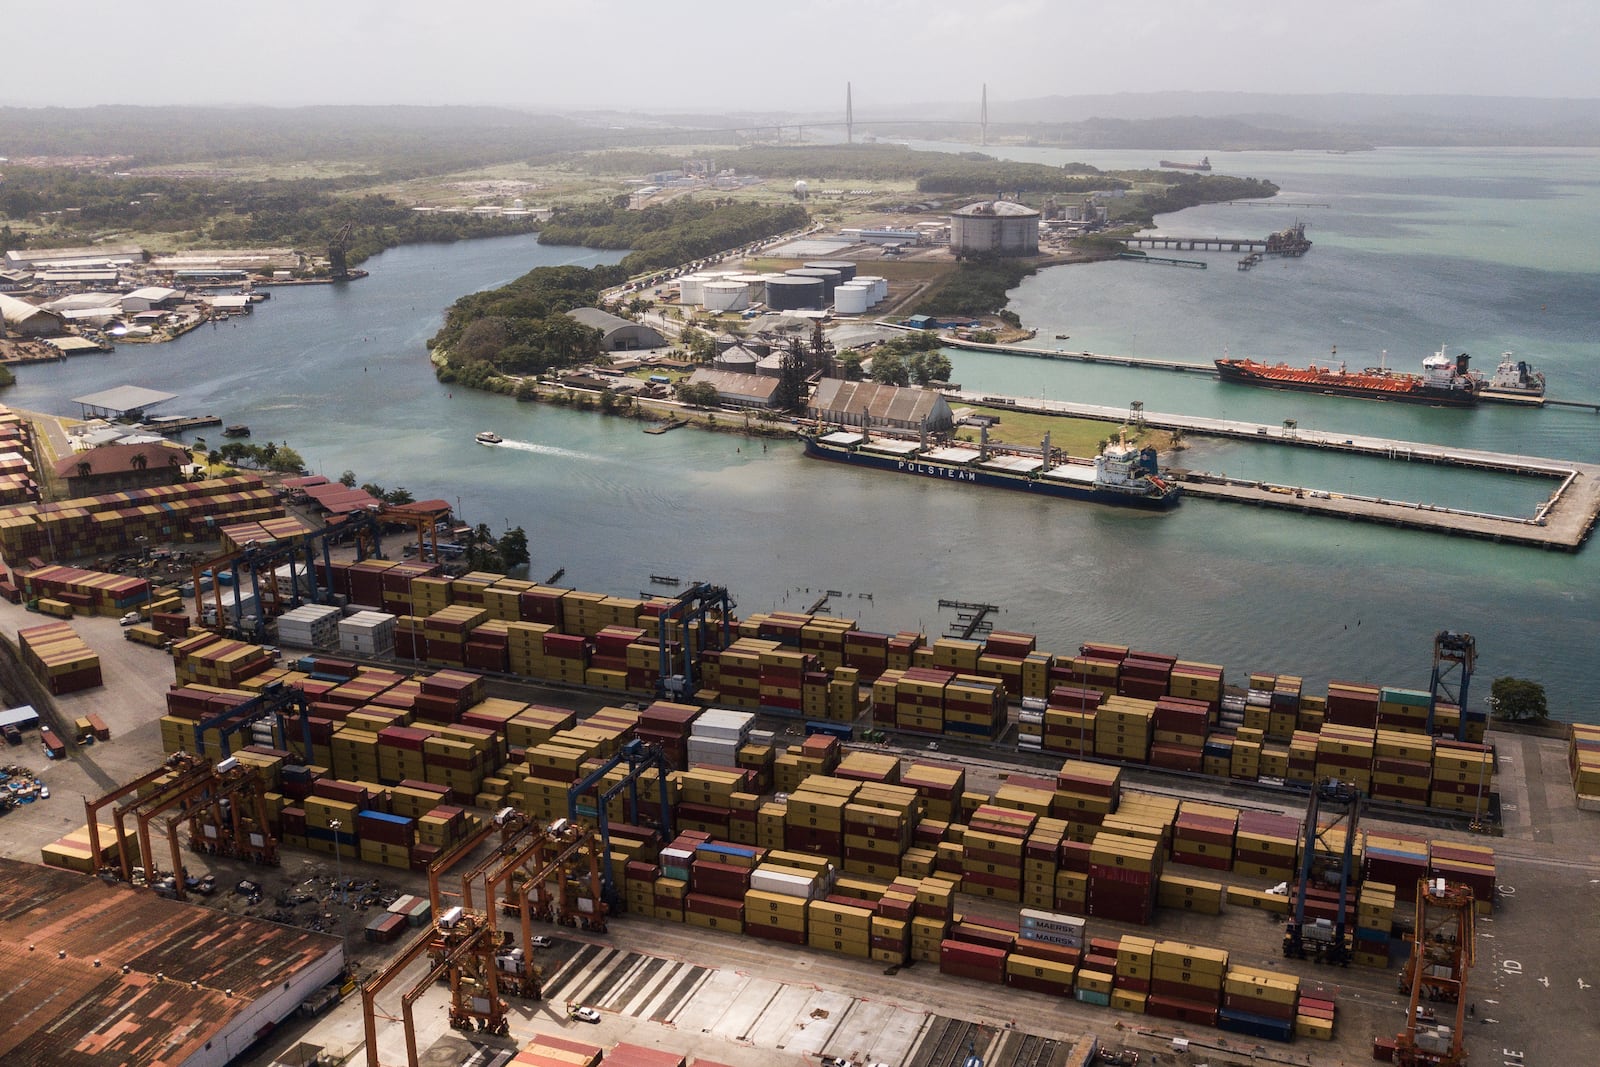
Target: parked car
<point>542,942</point>
<point>130,619</point>
<point>586,1015</point>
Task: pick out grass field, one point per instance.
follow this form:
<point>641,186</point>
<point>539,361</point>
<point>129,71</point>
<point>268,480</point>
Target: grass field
<point>1078,437</point>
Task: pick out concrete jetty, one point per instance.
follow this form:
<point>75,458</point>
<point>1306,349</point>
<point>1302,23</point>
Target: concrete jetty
<point>1562,522</point>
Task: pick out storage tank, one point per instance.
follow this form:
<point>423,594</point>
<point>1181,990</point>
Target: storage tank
<point>794,294</point>
<point>826,275</point>
<point>880,286</point>
<point>725,295</point>
<point>853,298</point>
<point>845,267</point>
<point>689,289</point>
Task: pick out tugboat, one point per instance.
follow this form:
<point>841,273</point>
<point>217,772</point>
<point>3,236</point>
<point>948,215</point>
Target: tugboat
<point>488,437</point>
<point>1514,382</point>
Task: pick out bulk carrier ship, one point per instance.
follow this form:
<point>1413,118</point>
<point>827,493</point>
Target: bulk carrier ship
<point>1122,474</point>
<point>1444,382</point>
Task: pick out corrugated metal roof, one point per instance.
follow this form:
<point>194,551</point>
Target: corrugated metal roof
<point>65,1011</point>
<point>839,400</point>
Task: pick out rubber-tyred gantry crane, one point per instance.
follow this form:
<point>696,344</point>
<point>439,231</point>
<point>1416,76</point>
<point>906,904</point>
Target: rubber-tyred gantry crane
<point>1443,950</point>
<point>1327,864</point>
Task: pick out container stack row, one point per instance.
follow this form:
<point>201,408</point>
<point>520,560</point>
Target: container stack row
<point>58,657</point>
<point>115,522</point>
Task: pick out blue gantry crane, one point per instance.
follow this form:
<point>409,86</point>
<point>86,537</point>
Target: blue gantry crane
<point>1454,655</point>
<point>693,605</point>
<point>1327,864</point>
<point>638,757</point>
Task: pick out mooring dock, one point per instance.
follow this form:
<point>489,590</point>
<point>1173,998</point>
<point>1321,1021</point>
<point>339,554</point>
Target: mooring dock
<point>1564,521</point>
<point>951,341</point>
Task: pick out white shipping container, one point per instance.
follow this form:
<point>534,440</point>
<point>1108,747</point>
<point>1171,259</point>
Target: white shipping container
<point>788,883</point>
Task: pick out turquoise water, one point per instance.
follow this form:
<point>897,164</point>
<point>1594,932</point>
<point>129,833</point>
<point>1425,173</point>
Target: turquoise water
<point>341,374</point>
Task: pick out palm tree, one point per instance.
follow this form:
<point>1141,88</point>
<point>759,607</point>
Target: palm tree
<point>84,468</point>
<point>139,461</point>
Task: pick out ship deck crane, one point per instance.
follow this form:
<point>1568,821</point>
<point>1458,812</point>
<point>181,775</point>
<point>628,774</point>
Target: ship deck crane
<point>1443,950</point>
<point>639,758</point>
<point>1327,863</point>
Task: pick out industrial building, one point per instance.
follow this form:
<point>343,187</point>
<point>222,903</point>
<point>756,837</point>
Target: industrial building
<point>738,390</point>
<point>22,319</point>
<point>856,403</point>
<point>998,227</point>
<point>92,973</point>
<point>39,259</point>
<point>618,334</point>
<point>114,468</point>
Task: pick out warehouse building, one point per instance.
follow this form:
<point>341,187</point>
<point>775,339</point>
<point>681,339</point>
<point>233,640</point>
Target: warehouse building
<point>618,334</point>
<point>997,227</point>
<point>738,390</point>
<point>119,467</point>
<point>91,256</point>
<point>94,973</point>
<point>22,319</point>
<point>841,403</point>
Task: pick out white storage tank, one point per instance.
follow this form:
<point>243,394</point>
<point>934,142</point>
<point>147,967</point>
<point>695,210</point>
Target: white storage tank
<point>852,298</point>
<point>880,286</point>
<point>725,296</point>
<point>689,289</point>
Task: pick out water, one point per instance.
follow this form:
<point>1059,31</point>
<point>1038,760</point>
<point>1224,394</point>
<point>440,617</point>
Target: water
<point>1420,249</point>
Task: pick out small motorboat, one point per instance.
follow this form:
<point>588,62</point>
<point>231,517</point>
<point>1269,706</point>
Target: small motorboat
<point>489,437</point>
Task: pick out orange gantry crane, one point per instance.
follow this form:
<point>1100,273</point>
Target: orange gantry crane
<point>1442,952</point>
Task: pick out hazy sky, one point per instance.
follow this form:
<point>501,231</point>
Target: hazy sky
<point>782,54</point>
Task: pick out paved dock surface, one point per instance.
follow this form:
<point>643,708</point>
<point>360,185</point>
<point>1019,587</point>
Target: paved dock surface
<point>1563,523</point>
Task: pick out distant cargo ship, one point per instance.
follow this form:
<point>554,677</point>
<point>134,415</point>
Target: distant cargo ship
<point>1121,474</point>
<point>1204,164</point>
<point>1444,382</point>
<point>1514,382</point>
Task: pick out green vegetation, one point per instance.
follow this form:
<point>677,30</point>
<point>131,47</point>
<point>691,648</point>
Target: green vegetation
<point>969,173</point>
<point>977,287</point>
<point>269,457</point>
<point>1180,190</point>
<point>522,327</point>
<point>913,357</point>
<point>1518,700</point>
<point>6,377</point>
<point>669,234</point>
<point>1077,437</point>
<point>61,205</point>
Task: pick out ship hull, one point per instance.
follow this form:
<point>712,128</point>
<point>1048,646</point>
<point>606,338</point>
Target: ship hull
<point>1452,398</point>
<point>975,476</point>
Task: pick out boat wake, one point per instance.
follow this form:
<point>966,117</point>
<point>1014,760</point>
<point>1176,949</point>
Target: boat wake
<point>546,450</point>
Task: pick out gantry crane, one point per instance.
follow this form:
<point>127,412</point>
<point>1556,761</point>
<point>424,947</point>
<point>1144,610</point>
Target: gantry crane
<point>1443,950</point>
<point>1454,655</point>
<point>458,945</point>
<point>254,561</point>
<point>1327,863</point>
<point>639,757</point>
<point>224,806</point>
<point>691,606</point>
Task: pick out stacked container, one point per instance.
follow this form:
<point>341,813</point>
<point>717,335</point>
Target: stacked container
<point>368,633</point>
<point>309,626</point>
<point>59,658</point>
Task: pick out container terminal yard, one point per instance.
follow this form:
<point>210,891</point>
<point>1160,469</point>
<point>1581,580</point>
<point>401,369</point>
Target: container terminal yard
<point>747,840</point>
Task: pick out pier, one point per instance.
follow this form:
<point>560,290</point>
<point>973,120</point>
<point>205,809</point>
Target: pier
<point>1563,522</point>
<point>1165,261</point>
<point>951,341</point>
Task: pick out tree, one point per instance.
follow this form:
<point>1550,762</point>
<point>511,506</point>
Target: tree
<point>890,368</point>
<point>513,545</point>
<point>214,459</point>
<point>698,394</point>
<point>399,495</point>
<point>849,366</point>
<point>1517,699</point>
<point>139,461</point>
<point>925,367</point>
<point>348,479</point>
